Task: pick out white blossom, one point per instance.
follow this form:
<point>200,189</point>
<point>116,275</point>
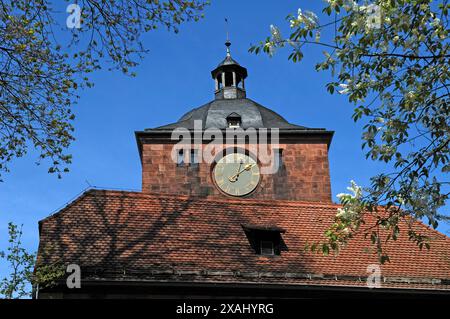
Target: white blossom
<point>344,88</point>
<point>308,18</point>
<point>411,95</point>
<point>275,32</point>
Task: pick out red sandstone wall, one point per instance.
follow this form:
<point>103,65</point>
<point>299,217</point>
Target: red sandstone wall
<point>304,176</point>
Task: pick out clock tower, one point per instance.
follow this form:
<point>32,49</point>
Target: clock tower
<point>232,193</point>
<point>233,147</point>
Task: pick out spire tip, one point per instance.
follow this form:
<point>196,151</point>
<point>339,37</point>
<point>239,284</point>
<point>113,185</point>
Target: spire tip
<point>227,43</point>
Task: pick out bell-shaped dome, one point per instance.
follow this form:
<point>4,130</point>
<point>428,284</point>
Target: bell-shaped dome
<point>215,114</point>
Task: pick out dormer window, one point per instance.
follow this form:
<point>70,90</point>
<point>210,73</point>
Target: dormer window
<point>267,248</point>
<point>234,123</point>
<point>265,240</point>
<point>234,120</point>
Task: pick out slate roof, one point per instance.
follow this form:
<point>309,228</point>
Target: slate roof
<point>128,236</point>
<point>228,61</point>
<point>214,114</point>
<point>229,64</point>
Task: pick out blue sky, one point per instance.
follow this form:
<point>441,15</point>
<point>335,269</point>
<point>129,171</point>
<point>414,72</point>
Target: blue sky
<point>172,79</point>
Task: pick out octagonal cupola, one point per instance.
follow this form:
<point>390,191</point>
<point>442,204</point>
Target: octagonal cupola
<point>229,78</point>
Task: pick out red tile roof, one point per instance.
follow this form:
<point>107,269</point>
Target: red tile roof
<point>128,235</point>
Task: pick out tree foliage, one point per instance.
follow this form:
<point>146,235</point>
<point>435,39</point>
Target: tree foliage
<point>23,271</point>
<point>18,283</point>
<point>391,58</point>
<point>40,75</point>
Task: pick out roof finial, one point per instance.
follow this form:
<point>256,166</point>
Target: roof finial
<point>227,43</point>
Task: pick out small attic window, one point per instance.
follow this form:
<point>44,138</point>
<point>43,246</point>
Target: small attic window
<point>267,247</point>
<point>234,120</point>
<point>265,240</point>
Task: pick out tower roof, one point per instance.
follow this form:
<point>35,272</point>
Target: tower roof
<point>230,98</point>
<point>228,61</point>
<point>214,114</point>
<point>229,64</point>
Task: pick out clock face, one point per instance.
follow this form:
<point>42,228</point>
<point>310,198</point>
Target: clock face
<point>236,174</point>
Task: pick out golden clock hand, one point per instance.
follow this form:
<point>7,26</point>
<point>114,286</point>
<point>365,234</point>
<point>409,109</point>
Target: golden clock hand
<point>239,168</point>
<point>235,176</point>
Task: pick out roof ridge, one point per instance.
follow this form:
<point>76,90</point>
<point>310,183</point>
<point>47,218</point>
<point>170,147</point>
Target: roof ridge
<point>429,228</point>
<point>227,200</point>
